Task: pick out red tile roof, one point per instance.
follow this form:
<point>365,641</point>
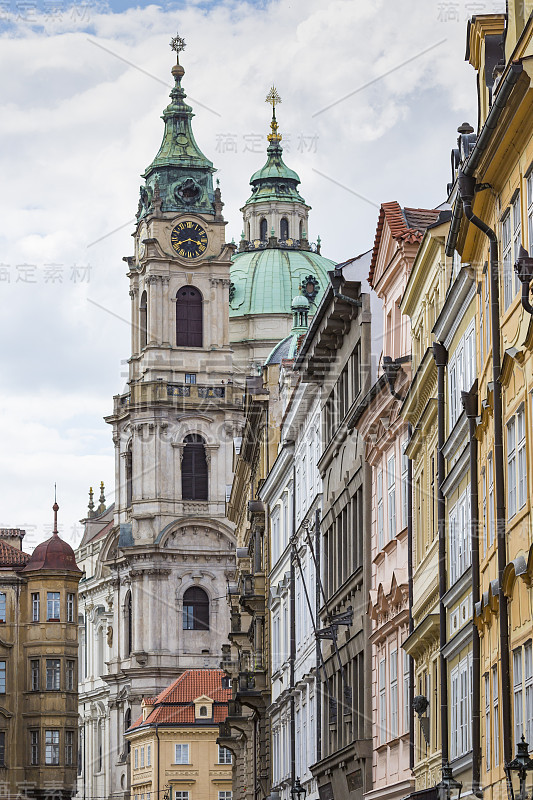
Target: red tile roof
<point>407,224</point>
<point>12,557</point>
<point>175,704</point>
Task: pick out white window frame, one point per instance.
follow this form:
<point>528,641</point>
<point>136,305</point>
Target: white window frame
<point>511,469</point>
<point>518,695</point>
<point>379,496</point>
<point>461,703</point>
<point>391,496</point>
<point>488,752</point>
<point>405,485</point>
<point>181,753</point>
<point>224,755</point>
<point>507,257</point>
<point>382,701</point>
<point>393,672</point>
<point>490,479</point>
<point>495,714</point>
<point>406,704</point>
<point>516,211</point>
<point>521,459</point>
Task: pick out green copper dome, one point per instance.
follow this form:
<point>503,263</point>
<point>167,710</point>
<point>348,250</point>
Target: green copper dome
<point>180,178</point>
<point>265,281</point>
<point>275,181</point>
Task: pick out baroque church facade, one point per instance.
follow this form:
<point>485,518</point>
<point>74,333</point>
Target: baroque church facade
<point>156,564</point>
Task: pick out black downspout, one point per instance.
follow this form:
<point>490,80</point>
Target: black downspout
<point>158,759</point>
<point>466,188</point>
<point>470,402</point>
<point>318,688</point>
<point>410,585</point>
<point>292,655</point>
<point>440,355</point>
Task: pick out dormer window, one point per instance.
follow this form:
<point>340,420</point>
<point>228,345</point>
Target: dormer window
<point>203,707</point>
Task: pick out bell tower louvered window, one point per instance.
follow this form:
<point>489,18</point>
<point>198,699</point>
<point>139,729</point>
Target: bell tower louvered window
<point>189,317</point>
<point>194,469</point>
<point>143,319</point>
<point>195,610</point>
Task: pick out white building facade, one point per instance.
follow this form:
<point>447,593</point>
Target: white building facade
<point>293,494</point>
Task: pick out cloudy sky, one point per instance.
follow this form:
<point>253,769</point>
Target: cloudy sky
<point>372,94</point>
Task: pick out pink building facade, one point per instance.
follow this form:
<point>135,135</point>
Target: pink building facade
<point>399,233</point>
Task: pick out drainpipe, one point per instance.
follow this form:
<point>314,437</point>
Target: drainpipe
<point>318,688</point>
<point>410,585</point>
<point>292,655</point>
<point>466,185</point>
<point>470,402</point>
<point>158,757</point>
<point>440,354</point>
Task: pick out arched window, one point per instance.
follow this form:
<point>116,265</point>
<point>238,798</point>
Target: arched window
<point>284,228</point>
<point>188,317</point>
<point>248,228</point>
<point>263,229</point>
<point>128,627</point>
<point>129,471</point>
<point>127,724</point>
<point>195,610</point>
<point>143,319</point>
<point>301,229</point>
<point>203,711</point>
<point>194,469</point>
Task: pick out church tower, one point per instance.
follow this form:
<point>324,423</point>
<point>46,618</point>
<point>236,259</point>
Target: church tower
<point>275,262</point>
<point>174,426</point>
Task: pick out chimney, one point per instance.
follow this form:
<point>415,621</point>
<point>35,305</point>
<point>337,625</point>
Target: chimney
<point>13,536</point>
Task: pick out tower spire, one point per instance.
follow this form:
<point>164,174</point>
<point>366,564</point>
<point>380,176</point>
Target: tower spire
<point>55,509</point>
<point>274,99</point>
<point>179,179</point>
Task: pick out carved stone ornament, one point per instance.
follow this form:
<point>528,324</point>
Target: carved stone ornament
<point>188,191</point>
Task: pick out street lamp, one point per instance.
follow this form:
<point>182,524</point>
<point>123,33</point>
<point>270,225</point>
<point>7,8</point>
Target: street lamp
<point>519,765</point>
<point>297,791</point>
<point>448,785</point>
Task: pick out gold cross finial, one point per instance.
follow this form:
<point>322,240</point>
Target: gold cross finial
<point>273,97</point>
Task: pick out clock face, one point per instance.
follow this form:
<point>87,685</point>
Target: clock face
<point>189,239</point>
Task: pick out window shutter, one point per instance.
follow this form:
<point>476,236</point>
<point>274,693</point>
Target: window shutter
<point>189,317</point>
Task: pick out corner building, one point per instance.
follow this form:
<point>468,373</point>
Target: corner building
<point>38,668</point>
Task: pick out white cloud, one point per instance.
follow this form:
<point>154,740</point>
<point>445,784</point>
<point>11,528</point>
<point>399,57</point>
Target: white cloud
<point>78,126</point>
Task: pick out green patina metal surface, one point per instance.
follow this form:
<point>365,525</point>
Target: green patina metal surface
<point>275,181</point>
<point>265,281</point>
<point>180,177</point>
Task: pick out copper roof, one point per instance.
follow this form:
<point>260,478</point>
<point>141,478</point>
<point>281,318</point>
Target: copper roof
<point>54,554</point>
<point>175,704</point>
<point>407,224</point>
<point>12,557</point>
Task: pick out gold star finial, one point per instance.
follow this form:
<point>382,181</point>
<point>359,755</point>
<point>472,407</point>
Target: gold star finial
<point>274,99</point>
<point>177,43</point>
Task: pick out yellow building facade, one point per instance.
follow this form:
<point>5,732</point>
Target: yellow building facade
<point>173,747</point>
<point>492,217</point>
<point>422,301</point>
